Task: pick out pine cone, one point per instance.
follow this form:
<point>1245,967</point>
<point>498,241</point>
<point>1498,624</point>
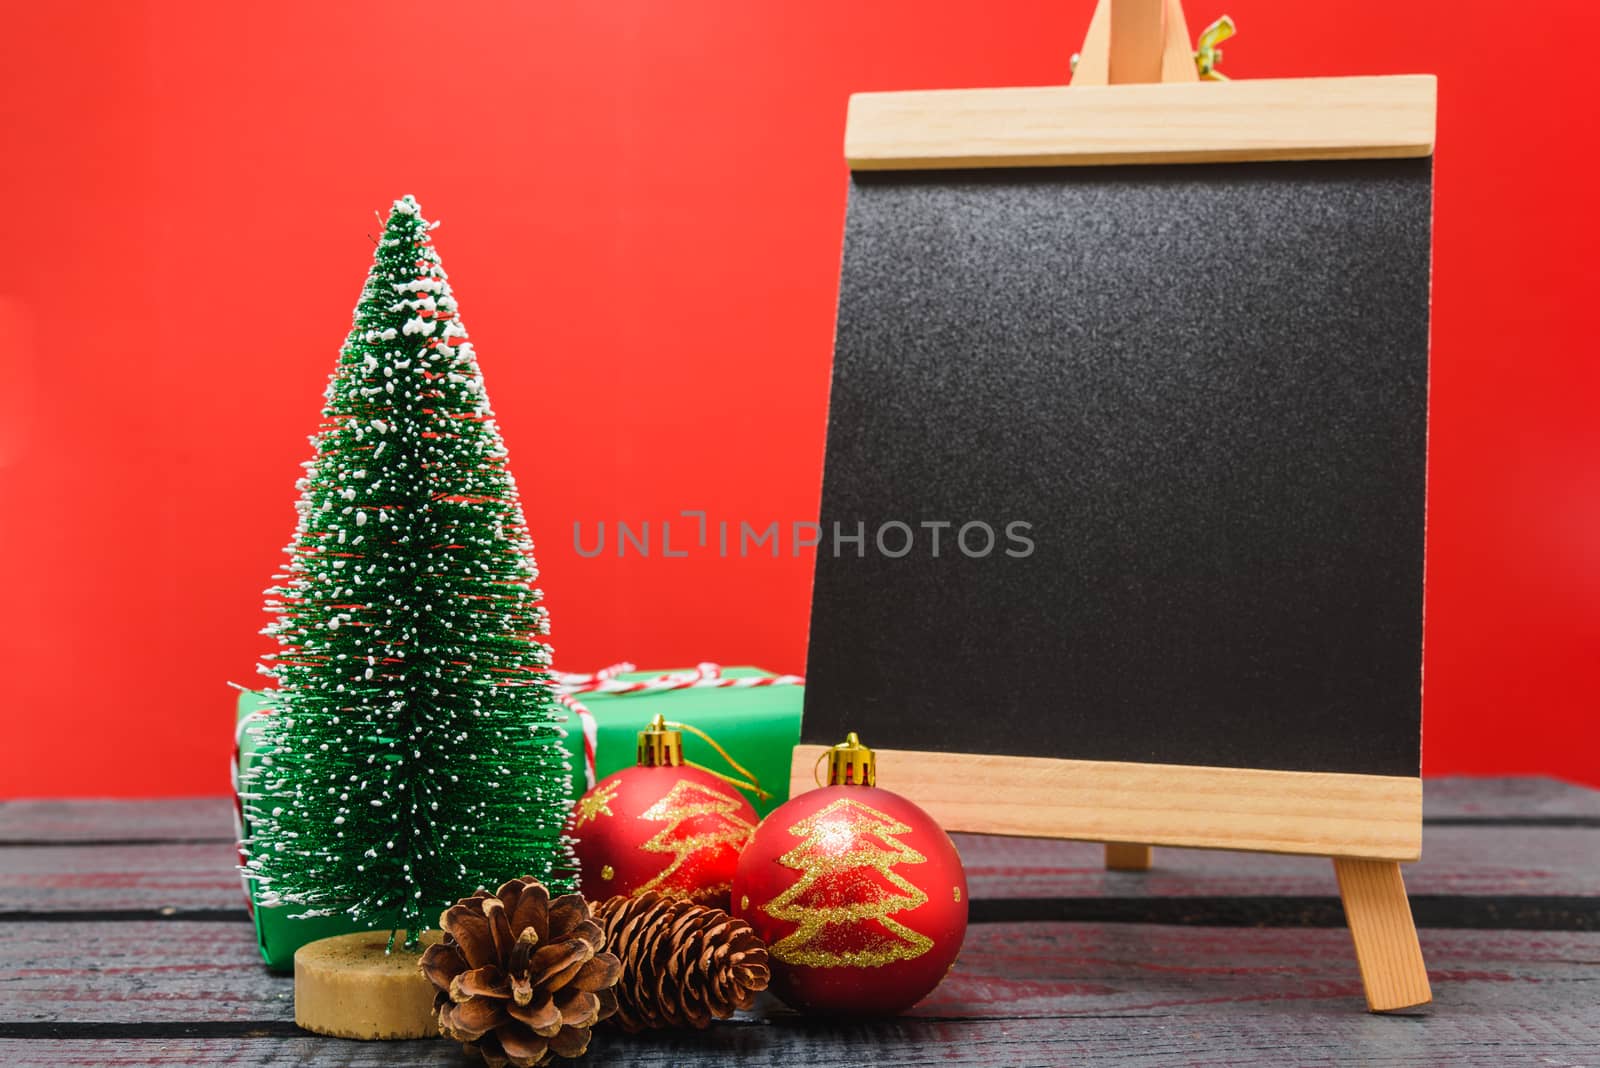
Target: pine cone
<point>521,978</point>
<point>682,963</point>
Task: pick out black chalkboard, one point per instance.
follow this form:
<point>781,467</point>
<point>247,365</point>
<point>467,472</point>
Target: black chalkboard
<point>1205,388</point>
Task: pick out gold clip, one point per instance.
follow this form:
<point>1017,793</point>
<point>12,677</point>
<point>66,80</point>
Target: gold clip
<point>1207,55</point>
<point>849,764</point>
<point>852,764</point>
<point>659,745</point>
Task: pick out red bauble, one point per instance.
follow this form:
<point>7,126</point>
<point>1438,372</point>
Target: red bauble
<point>674,829</point>
<point>860,897</point>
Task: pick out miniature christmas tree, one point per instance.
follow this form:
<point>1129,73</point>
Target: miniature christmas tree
<point>412,753</point>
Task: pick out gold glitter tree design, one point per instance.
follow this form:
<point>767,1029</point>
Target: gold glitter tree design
<point>842,902</point>
<point>697,817</point>
<point>593,806</point>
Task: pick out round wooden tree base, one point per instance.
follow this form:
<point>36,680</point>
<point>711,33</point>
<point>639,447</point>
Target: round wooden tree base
<point>347,986</point>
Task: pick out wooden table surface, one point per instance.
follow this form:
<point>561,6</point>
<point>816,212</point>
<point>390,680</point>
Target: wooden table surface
<point>124,941</point>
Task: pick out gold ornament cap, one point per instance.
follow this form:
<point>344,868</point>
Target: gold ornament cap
<point>660,746</point>
<point>852,764</point>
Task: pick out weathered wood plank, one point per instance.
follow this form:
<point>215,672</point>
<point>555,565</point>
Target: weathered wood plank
<point>117,877</point>
<point>1281,1035</point>
<point>141,971</point>
<point>177,972</point>
<point>1457,860</point>
<point>1506,798</point>
<point>119,820</point>
<point>210,818</point>
<point>154,993</point>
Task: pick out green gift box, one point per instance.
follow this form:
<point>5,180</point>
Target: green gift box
<point>759,727</point>
<point>279,931</point>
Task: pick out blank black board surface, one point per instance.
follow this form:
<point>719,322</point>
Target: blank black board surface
<point>1204,387</point>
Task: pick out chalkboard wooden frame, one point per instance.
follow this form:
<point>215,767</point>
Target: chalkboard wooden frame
<point>1370,816</point>
<point>1378,817</point>
<point>1366,823</point>
<point>1381,117</point>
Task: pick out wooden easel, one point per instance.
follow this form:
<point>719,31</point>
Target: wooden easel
<point>1148,41</point>
<point>1136,41</point>
<point>1365,823</point>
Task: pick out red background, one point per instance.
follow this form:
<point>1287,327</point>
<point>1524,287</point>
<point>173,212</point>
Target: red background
<point>642,204</point>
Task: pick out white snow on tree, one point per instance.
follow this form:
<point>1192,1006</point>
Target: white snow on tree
<point>413,752</point>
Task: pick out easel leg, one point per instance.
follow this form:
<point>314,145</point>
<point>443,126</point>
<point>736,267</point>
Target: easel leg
<point>1122,856</point>
<point>1379,915</point>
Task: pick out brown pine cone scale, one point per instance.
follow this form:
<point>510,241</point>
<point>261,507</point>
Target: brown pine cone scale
<point>521,978</point>
<point>683,964</point>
